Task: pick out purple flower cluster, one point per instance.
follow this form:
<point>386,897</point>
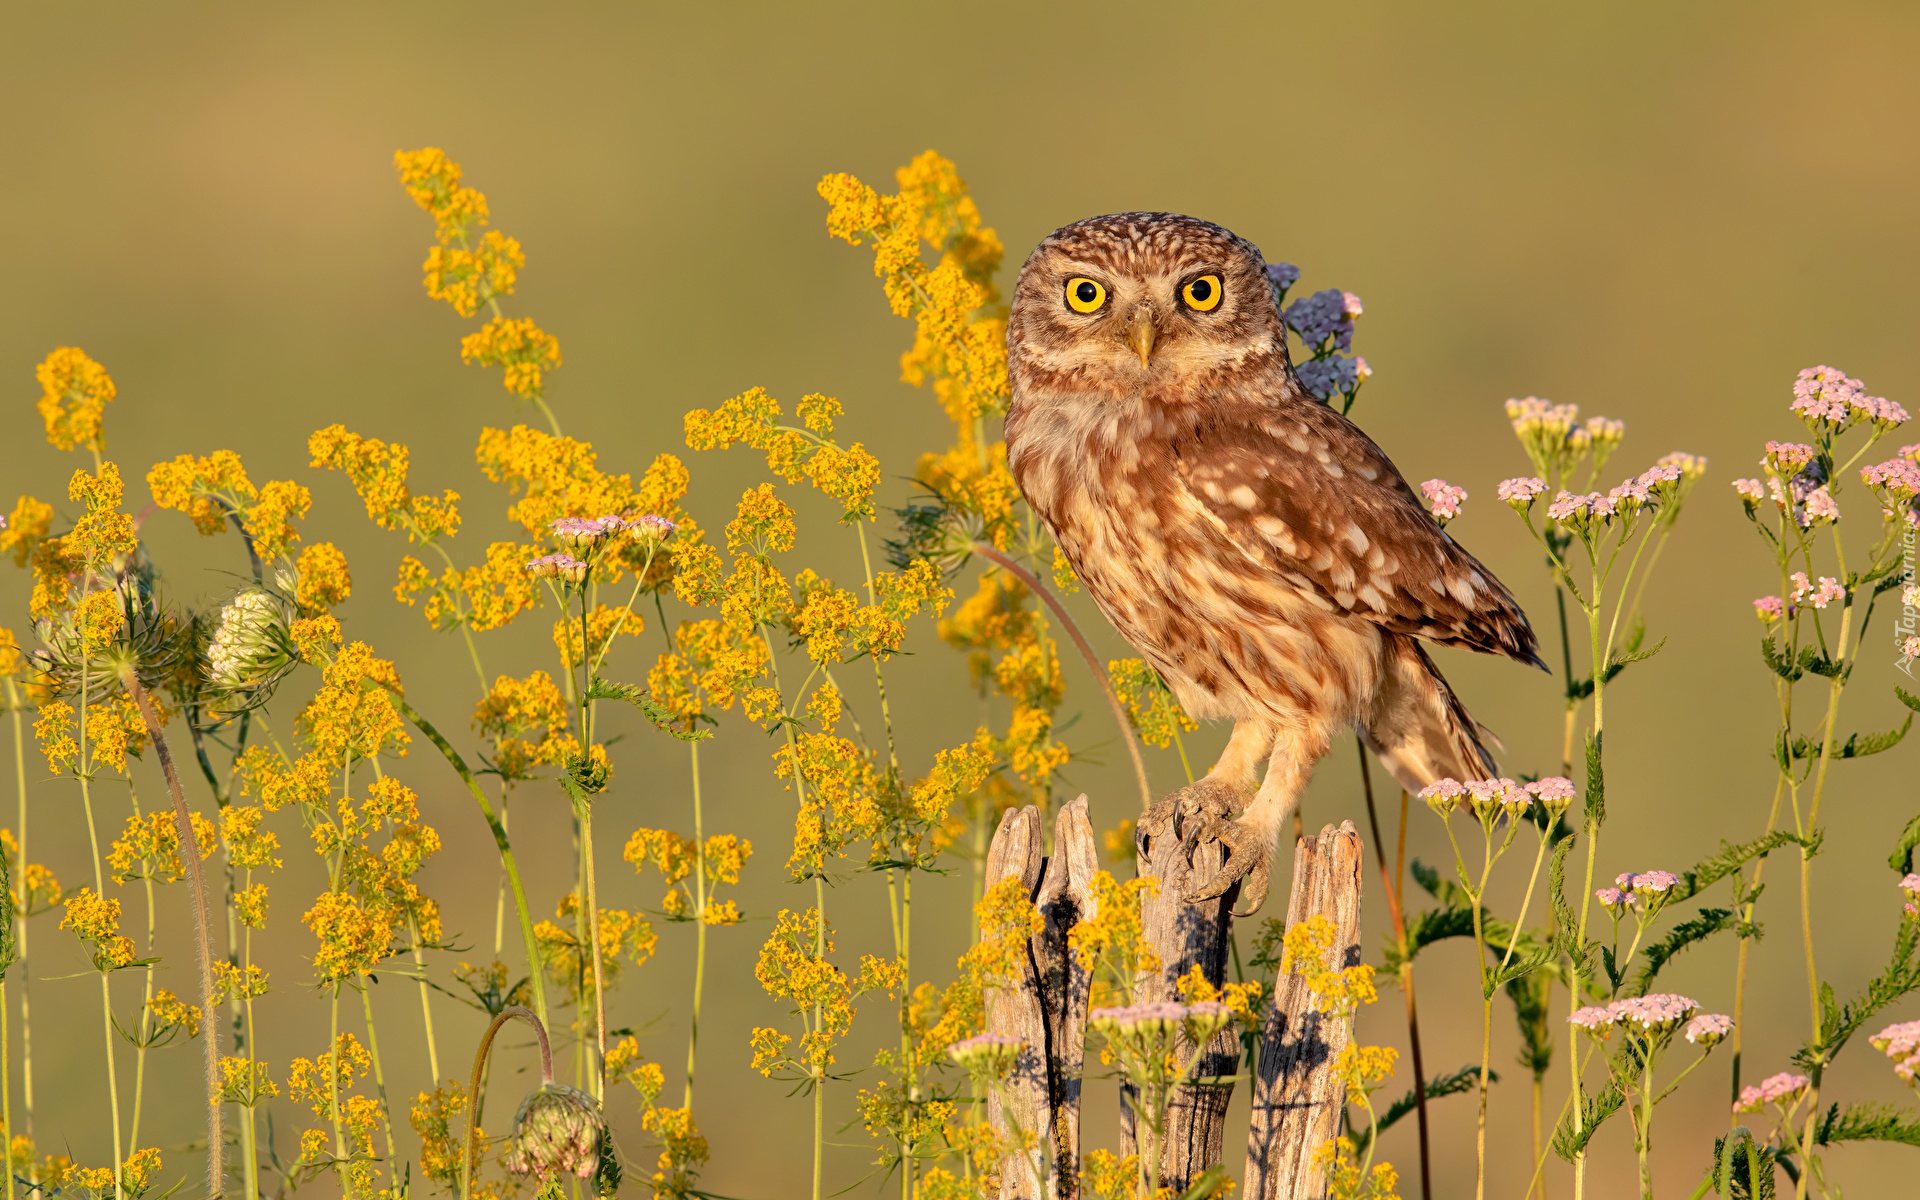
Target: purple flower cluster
<point>1284,275</point>
<point>1324,317</point>
<point>1825,395</point>
<point>1774,1089</point>
<point>558,566</point>
<point>1901,1043</point>
<point>1333,376</point>
<point>1444,498</point>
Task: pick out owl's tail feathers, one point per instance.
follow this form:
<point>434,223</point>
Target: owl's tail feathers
<point>1418,727</point>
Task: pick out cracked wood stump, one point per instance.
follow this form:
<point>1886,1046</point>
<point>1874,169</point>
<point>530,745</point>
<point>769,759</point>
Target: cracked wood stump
<point>1297,1100</point>
<point>1047,1009</point>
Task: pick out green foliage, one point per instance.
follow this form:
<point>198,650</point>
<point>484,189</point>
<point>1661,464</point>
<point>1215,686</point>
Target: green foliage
<point>651,709</point>
<point>1742,1167</point>
<point>1596,809</point>
<point>1725,861</point>
<point>1901,860</point>
<point>1594,1109</point>
<point>1857,745</point>
<point>1686,933</point>
<point>1838,1022</point>
<point>1450,1084</point>
<point>1867,1123</point>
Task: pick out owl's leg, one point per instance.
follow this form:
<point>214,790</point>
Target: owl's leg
<point>1223,790</point>
<point>1249,838</point>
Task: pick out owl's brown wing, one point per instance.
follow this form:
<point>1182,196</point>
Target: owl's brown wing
<point>1300,489</point>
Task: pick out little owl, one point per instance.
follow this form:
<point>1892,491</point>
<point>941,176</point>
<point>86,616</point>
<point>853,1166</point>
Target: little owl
<point>1251,543</point>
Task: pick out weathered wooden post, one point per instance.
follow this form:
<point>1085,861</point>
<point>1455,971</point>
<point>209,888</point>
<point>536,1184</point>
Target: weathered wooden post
<point>1186,935</point>
<point>1047,1009</point>
<point>1297,1100</point>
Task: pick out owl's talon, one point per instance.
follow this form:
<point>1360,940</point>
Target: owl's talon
<point>1181,813</point>
<point>1249,854</point>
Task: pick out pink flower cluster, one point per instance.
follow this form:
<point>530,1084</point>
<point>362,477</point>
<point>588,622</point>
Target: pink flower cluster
<point>1606,429</point>
<point>1520,492</point>
<point>1656,1013</point>
<point>1752,491</point>
<point>1826,395</point>
<point>1769,609</point>
<point>1708,1029</point>
<point>1901,1043</point>
<point>1820,507</point>
<point>1615,901</point>
<point>1774,1089</point>
<point>1899,478</point>
<point>1648,883</point>
<point>1911,647</point>
<point>1625,500</point>
<point>1483,797</point>
<point>1691,466</point>
<point>1911,884</point>
<point>558,566</point>
<point>1805,591</point>
<point>585,533</point>
<point>1444,498</point>
<point>1788,458</point>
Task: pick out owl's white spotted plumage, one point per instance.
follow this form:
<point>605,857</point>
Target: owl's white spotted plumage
<point>1251,543</point>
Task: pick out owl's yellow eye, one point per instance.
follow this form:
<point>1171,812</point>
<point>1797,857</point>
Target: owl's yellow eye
<point>1202,294</point>
<point>1085,295</point>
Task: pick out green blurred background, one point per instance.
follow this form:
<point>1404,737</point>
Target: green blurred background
<point>1658,211</point>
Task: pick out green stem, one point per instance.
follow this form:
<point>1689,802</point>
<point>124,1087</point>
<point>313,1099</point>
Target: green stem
<point>379,1074</point>
<point>535,967</point>
<point>100,890</point>
<point>20,930</point>
<point>700,923</point>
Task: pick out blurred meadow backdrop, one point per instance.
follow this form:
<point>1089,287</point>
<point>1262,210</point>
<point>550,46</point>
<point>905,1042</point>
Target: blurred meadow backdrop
<point>1659,212</point>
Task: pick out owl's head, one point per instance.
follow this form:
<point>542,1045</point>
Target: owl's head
<point>1118,301</point>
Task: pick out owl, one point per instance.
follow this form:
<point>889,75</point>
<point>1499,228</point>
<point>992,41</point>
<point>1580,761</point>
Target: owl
<point>1258,549</point>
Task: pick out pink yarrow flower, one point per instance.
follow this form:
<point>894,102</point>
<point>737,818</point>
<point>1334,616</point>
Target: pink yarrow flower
<point>1752,492</point>
<point>1648,883</point>
<point>1769,609</point>
<point>1708,1029</point>
<point>1911,884</point>
<point>1774,1089</point>
<point>1443,795</point>
<point>1911,647</point>
<point>558,566</point>
<point>1655,1013</point>
<point>1596,1021</point>
<point>1555,792</point>
<point>1899,477</point>
<point>1787,458</point>
<point>1444,498</point>
<point>1614,900</point>
<point>1520,492</point>
<point>1821,506</point>
<point>1901,1043</point>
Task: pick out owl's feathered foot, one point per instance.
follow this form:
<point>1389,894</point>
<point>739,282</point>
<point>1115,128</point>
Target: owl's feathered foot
<point>1203,811</point>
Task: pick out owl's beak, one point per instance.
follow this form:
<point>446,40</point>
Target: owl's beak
<point>1140,333</point>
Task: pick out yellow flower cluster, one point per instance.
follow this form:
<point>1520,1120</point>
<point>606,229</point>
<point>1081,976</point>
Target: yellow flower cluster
<point>249,847</point>
<point>794,965</point>
<point>604,623</point>
<point>466,279</point>
<point>376,901</point>
<point>527,721</point>
<point>378,472</point>
<point>169,1009</point>
<point>714,663</point>
<point>26,526</point>
<point>74,393</point>
<point>838,802</point>
<point>558,477</point>
<point>1338,1160</point>
<point>104,533</point>
<point>683,1151</point>
<point>316,1081</point>
<point>1006,919</point>
<point>1113,946</point>
<point>993,620</point>
<point>432,1117</point>
<point>324,579</point>
<point>150,847</point>
<point>54,731</point>
<point>96,921</point>
<point>673,856</point>
<point>848,474</point>
<point>244,1081</point>
<point>481,597</point>
<point>963,348</point>
<point>353,938</point>
<point>523,350</point>
<point>624,937</point>
<point>433,180</point>
<point>209,489</point>
<point>1337,992</point>
<point>35,890</point>
<point>114,727</point>
<point>136,1176</point>
<point>1157,717</point>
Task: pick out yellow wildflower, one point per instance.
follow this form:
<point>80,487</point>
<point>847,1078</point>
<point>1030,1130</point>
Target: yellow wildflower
<point>149,848</point>
<point>378,472</point>
<point>315,1081</point>
<point>604,623</point>
<point>231,983</point>
<point>522,349</point>
<point>104,533</point>
<point>206,489</point>
<point>516,708</point>
<point>74,393</point>
<point>249,847</point>
<point>170,1009</point>
<point>623,935</point>
<point>481,597</point>
<point>270,521</point>
<point>54,731</point>
<point>466,279</point>
<point>25,528</point>
<point>1156,716</point>
<point>433,180</point>
<point>96,921</point>
<point>1113,945</point>
<point>1338,1160</point>
<point>353,938</point>
<point>245,1082</point>
<point>114,727</point>
<point>432,1118</point>
<point>1309,948</point>
<point>324,579</point>
<point>714,665</point>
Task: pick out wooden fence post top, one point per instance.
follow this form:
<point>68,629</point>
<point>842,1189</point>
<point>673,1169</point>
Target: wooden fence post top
<point>1016,848</point>
<point>1074,862</point>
